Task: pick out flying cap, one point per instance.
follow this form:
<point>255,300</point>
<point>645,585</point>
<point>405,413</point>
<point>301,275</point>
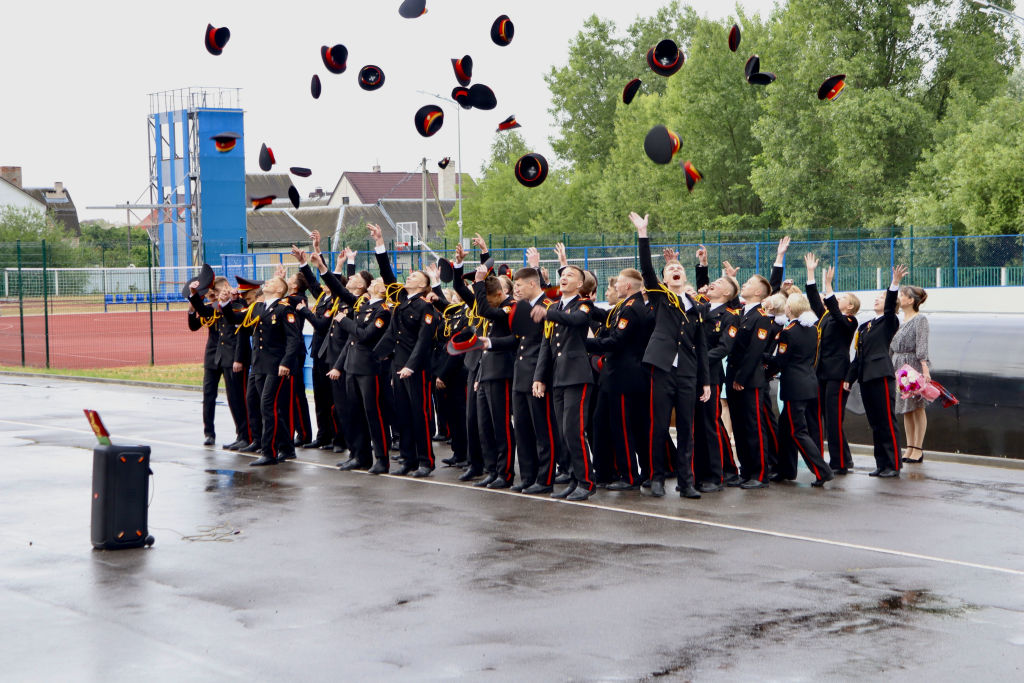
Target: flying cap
<point>461,95</point>
<point>752,66</point>
<point>267,159</point>
<point>661,144</point>
<point>629,92</point>
<point>464,341</point>
<point>463,70</point>
<point>734,38</point>
<point>410,9</point>
<point>335,58</point>
<point>597,362</point>
<point>293,195</point>
<point>665,58</point>
<point>429,119</point>
<point>508,124</point>
<point>446,270</point>
<point>443,164</point>
<point>314,87</point>
<point>371,77</point>
<point>531,170</point>
<point>300,171</point>
<point>502,31</point>
<point>693,176</point>
<point>216,39</point>
<point>832,88</point>
<point>205,280</point>
<point>482,97</point>
<point>259,202</point>
<point>247,285</point>
<point>761,78</point>
<point>226,141</point>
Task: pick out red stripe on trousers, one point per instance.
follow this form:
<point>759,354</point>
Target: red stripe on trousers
<point>625,437</point>
<point>291,407</point>
<point>760,440</point>
<point>508,428</point>
<point>892,429</point>
<point>380,418</point>
<point>551,437</point>
<point>792,430</point>
<point>650,440</point>
<point>718,428</point>
<point>273,438</point>
<point>426,418</point>
<point>821,430</point>
<point>842,437</point>
<point>583,439</point>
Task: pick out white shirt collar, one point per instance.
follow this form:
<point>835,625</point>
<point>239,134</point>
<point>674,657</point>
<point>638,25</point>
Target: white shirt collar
<point>714,306</point>
<point>533,302</point>
<point>270,302</point>
<point>747,307</point>
<point>568,300</point>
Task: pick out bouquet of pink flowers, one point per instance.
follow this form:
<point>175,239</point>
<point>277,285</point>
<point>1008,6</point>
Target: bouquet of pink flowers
<point>910,382</point>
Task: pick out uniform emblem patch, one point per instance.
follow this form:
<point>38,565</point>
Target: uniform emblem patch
<point>762,334</point>
<point>732,331</point>
<point>379,322</point>
<point>507,309</point>
<point>428,318</point>
<point>782,348</point>
<point>622,323</point>
<point>291,317</point>
<point>585,308</point>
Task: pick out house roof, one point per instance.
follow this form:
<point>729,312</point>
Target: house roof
<point>21,190</point>
<point>272,225</point>
<point>63,207</point>
<point>372,186</point>
<point>263,184</point>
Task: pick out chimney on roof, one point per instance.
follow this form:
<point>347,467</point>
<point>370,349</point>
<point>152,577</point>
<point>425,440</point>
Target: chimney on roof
<point>58,188</point>
<point>376,168</point>
<point>318,193</point>
<point>11,174</point>
<point>446,181</point>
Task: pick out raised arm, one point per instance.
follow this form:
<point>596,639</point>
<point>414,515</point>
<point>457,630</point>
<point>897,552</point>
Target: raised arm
<point>702,278</point>
<point>779,267</point>
<point>644,244</point>
<point>380,250</point>
<point>811,265</point>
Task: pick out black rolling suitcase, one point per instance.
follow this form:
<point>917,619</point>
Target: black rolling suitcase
<point>120,497</point>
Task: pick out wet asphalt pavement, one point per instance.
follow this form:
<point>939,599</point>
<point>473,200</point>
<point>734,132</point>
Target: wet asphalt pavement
<point>300,572</point>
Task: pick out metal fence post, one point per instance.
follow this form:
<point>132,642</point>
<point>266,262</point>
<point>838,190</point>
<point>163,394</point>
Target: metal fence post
<point>46,309</point>
<point>21,305</point>
<point>911,250</point>
<point>152,343</point>
<point>956,262</point>
<point>586,258</point>
<point>892,253</point>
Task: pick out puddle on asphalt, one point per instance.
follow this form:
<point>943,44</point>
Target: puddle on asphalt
<point>234,479</point>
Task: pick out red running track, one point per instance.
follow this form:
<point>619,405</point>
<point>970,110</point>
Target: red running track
<point>101,340</point>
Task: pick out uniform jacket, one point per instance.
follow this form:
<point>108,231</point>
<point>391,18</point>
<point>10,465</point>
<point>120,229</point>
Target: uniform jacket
<point>525,342</point>
<point>276,338</point>
<point>872,345</point>
<point>410,334</point>
<point>495,363</point>
<point>745,364</point>
<point>202,313</point>
<point>720,328</point>
<point>364,330</point>
<point>623,343</point>
<point>563,357</point>
<point>794,356</point>
<point>835,333</point>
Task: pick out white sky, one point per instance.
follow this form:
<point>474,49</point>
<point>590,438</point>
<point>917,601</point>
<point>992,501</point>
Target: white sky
<point>77,74</point>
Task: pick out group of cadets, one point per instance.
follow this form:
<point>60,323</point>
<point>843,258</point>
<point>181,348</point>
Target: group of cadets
<point>521,375</point>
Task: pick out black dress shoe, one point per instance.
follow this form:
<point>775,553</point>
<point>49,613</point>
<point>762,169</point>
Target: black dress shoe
<point>238,444</point>
<point>350,464</point>
<point>338,449</point>
<point>709,487</point>
<point>818,483</point>
<point>315,443</point>
<point>404,470</point>
<point>581,493</point>
<point>520,487</point>
<point>840,470</point>
<point>689,492</point>
<point>209,441</point>
<point>733,480</point>
<point>534,489</point>
<point>394,444</point>
<point>470,474</point>
<point>379,467</point>
<point>888,474</point>
<point>500,483</point>
<point>875,472</point>
<point>753,484</point>
<point>486,481</point>
<point>327,446</point>
<point>440,438</point>
<point>263,460</point>
<point>253,447</point>
<point>297,441</point>
<point>422,472</point>
<point>645,484</point>
<point>290,455</point>
<point>562,478</point>
<point>622,485</point>
<point>566,492</point>
<point>657,488</point>
<point>776,478</point>
<point>453,461</point>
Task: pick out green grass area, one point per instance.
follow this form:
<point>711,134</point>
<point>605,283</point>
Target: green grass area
<point>188,373</point>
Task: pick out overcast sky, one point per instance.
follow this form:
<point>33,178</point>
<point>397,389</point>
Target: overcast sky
<point>77,75</point>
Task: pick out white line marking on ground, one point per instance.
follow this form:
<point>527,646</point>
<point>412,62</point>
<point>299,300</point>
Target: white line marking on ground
<point>595,506</point>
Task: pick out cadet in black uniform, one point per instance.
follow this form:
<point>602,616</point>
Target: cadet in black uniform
<point>837,323</point>
<point>538,442</point>
<point>409,338</point>
<point>713,457</point>
<point>564,369</point>
<point>798,388</point>
<point>303,427</point>
<point>240,314</point>
<point>622,377</point>
<point>276,342</point>
<point>200,316</point>
<point>677,358</point>
<point>872,367</point>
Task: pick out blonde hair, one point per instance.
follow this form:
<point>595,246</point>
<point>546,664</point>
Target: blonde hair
<point>798,304</point>
<point>854,303</point>
<point>776,304</point>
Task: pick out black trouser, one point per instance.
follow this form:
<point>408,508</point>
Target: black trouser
<point>496,408</point>
<point>211,379</point>
<point>235,390</point>
<point>351,430</point>
<point>254,409</point>
<point>572,409</point>
<point>441,429</point>
<point>831,411</point>
<point>669,391</point>
<point>879,396</point>
<point>323,401</point>
<point>753,440</point>
<point>453,401</point>
<point>712,450</point>
<point>303,428</point>
<point>627,422</point>
<point>277,407</point>
<point>412,415</point>
<point>480,435</point>
<point>771,419</point>
<point>365,394</point>
<point>537,438</point>
<point>601,436</point>
<point>795,420</point>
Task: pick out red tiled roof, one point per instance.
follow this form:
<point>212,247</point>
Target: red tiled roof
<point>372,187</point>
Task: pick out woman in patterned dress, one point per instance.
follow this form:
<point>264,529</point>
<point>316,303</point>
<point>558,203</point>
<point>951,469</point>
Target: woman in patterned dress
<point>910,347</point>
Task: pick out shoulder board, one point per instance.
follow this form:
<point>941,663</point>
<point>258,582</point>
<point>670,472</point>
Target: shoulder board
<point>630,302</point>
<point>735,311</point>
<point>790,325</point>
<point>763,312</point>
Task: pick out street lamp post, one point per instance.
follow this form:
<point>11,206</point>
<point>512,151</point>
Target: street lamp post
<point>458,123</point>
<point>989,8</point>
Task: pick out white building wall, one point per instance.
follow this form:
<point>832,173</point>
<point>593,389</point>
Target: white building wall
<point>12,196</point>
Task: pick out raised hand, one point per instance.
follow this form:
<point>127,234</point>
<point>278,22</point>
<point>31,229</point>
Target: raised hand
<point>639,223</point>
<point>729,269</point>
<point>898,273</point>
<point>281,271</point>
<point>830,273</point>
<point>315,235</point>
<point>299,255</point>
<point>780,253</point>
<point>669,254</point>
<point>811,262</point>
<point>533,257</point>
<point>481,273</point>
<point>479,243</point>
<point>349,254</point>
<point>560,252</point>
<point>460,254</point>
<point>376,233</point>
<point>702,255</point>
<point>433,273</point>
<point>317,261</point>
